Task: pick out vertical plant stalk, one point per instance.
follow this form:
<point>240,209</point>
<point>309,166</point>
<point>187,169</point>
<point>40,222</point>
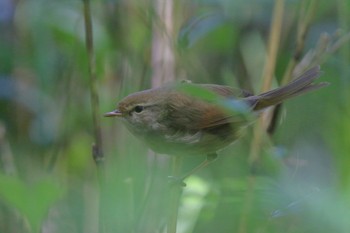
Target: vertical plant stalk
<point>258,133</point>
<point>305,17</point>
<point>97,146</point>
<point>247,205</point>
<point>175,194</point>
<point>163,68</point>
<point>274,41</point>
<point>163,58</point>
<point>268,75</point>
<point>6,156</point>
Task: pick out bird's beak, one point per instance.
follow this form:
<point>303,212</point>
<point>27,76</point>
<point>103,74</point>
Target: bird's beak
<point>115,113</point>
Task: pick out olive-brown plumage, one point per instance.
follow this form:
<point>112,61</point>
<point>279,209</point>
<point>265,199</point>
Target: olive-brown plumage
<point>177,122</point>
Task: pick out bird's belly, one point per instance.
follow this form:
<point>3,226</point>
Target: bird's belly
<point>191,142</point>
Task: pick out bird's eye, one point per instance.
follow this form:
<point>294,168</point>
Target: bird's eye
<point>138,109</point>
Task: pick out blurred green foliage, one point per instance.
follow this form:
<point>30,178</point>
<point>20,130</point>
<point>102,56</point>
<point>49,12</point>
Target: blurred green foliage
<point>48,179</point>
<point>32,201</point>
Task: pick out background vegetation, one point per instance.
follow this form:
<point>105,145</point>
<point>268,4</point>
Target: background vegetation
<point>295,180</point>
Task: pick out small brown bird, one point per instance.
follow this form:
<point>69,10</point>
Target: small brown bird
<point>186,118</point>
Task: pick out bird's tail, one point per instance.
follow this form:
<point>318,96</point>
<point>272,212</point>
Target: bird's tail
<point>299,86</point>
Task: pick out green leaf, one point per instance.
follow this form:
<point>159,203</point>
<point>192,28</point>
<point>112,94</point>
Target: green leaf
<point>198,92</point>
<point>32,201</point>
<point>198,27</point>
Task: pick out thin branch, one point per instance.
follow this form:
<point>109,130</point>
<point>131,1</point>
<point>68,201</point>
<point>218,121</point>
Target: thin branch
<point>97,146</point>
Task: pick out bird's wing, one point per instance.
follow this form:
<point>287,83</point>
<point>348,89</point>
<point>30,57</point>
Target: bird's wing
<point>189,112</point>
<point>227,113</point>
<point>220,118</point>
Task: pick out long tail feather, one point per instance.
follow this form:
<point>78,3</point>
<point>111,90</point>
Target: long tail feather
<point>299,86</point>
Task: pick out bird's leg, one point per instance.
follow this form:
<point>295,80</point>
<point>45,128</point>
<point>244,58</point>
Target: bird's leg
<point>209,159</point>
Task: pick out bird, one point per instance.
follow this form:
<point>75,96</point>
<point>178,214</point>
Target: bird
<point>201,119</point>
